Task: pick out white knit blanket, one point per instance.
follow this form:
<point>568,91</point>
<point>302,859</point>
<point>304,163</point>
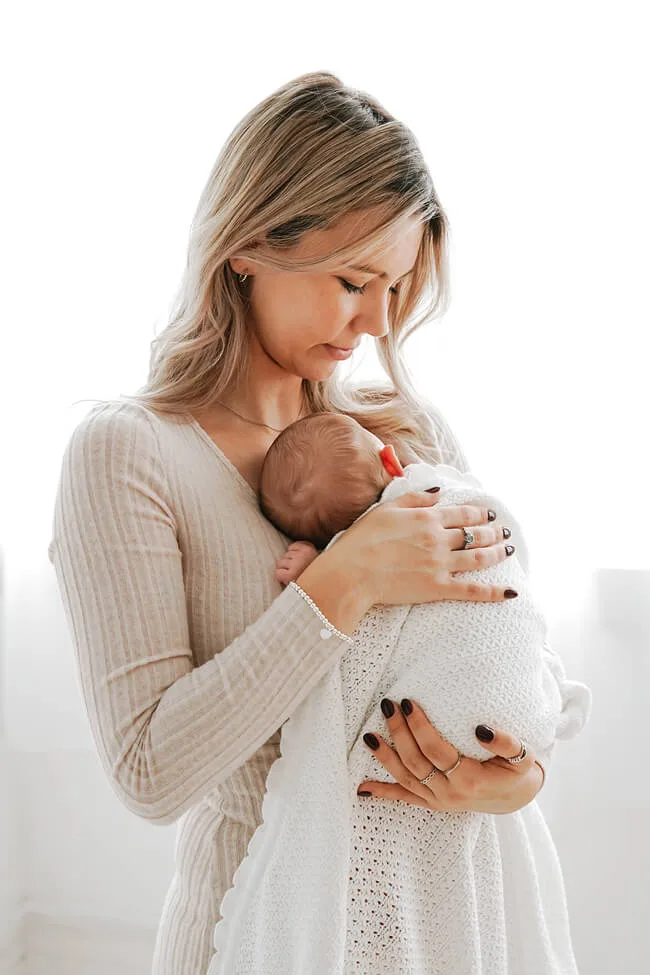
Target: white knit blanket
<point>333,883</point>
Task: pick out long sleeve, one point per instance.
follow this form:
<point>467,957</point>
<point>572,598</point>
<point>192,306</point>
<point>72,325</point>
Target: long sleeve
<point>167,731</point>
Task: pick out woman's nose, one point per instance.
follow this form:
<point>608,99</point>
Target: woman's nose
<point>376,321</point>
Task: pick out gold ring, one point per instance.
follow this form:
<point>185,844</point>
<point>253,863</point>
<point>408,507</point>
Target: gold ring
<point>453,768</point>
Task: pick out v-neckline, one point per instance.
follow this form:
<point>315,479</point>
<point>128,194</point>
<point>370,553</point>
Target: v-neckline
<point>237,474</point>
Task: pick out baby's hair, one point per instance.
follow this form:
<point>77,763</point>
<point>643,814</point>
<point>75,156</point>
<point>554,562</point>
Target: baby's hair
<point>312,483</point>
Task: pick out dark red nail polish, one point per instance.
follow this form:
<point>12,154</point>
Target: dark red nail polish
<point>364,793</point>
<point>406,706</point>
<point>483,733</point>
<point>371,740</point>
<point>387,707</point>
<point>510,593</point>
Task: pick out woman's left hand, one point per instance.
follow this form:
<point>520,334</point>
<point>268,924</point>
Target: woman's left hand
<point>493,786</point>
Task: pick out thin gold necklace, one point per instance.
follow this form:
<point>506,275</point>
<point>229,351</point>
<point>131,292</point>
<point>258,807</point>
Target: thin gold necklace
<point>255,422</point>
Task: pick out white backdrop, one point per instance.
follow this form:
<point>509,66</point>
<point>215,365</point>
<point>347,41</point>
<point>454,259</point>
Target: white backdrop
<point>532,121</point>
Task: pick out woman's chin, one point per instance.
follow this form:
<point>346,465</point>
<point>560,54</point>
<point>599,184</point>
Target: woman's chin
<point>318,371</point>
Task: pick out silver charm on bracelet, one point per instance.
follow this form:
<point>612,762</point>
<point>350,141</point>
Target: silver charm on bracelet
<point>329,628</point>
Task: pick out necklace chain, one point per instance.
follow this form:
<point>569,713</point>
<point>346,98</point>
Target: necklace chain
<point>255,422</point>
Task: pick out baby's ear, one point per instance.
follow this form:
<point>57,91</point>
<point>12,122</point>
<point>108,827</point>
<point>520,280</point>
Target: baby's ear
<point>391,461</point>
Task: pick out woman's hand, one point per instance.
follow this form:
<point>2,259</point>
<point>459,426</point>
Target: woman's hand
<point>493,786</point>
<point>410,551</point>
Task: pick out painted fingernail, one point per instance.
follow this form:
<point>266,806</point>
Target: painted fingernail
<point>371,741</point>
<point>483,733</point>
<point>387,707</point>
<point>510,593</point>
<point>432,490</point>
<point>509,549</point>
<point>507,533</point>
<point>491,515</point>
<point>406,706</point>
<point>364,793</point>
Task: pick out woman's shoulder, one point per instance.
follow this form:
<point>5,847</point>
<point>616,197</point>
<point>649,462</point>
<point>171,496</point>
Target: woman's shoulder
<point>119,418</point>
<point>114,432</point>
<point>112,457</point>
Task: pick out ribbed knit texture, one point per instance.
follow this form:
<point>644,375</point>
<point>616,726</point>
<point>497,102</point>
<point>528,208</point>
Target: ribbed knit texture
<point>190,654</point>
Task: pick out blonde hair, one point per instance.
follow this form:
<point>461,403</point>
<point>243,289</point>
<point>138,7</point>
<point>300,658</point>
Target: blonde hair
<point>311,152</point>
<point>318,476</point>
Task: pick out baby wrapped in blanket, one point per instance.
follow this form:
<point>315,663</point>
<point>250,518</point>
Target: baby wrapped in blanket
<point>334,884</point>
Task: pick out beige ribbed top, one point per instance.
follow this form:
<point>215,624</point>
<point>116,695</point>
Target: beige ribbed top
<point>190,654</point>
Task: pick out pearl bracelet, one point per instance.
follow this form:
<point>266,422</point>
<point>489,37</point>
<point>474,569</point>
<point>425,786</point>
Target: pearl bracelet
<point>329,628</point>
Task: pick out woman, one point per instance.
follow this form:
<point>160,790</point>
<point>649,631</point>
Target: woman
<point>191,655</point>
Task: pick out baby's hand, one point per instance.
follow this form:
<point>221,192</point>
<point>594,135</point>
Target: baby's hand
<point>294,561</point>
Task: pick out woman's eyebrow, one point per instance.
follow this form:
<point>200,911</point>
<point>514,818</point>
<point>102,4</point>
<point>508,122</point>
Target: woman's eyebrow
<point>371,270</point>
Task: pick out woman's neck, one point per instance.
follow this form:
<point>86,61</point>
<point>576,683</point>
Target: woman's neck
<point>261,407</point>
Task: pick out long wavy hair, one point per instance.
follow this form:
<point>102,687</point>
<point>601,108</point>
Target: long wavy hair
<point>306,155</point>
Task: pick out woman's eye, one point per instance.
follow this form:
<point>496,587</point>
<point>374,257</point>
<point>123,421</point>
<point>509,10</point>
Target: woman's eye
<point>351,287</point>
<point>359,291</point>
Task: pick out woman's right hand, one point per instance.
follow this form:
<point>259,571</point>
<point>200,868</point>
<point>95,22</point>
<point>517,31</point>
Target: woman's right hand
<point>408,551</point>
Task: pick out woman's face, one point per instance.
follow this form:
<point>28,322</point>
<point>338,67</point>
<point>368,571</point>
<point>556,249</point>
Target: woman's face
<point>295,315</point>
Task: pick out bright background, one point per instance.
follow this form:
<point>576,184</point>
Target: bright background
<point>534,125</point>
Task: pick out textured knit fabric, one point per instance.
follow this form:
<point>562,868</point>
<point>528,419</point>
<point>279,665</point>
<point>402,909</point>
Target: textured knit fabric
<point>190,654</point>
<point>405,888</point>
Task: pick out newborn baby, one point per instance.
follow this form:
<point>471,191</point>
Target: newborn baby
<point>323,473</point>
<point>300,469</point>
<point>396,881</point>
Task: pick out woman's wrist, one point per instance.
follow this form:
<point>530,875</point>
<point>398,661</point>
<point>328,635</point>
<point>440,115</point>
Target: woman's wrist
<point>338,589</point>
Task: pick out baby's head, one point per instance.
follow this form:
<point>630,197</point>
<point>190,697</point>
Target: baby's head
<point>321,473</point>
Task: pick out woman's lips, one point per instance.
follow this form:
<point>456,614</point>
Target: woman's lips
<point>337,353</point>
